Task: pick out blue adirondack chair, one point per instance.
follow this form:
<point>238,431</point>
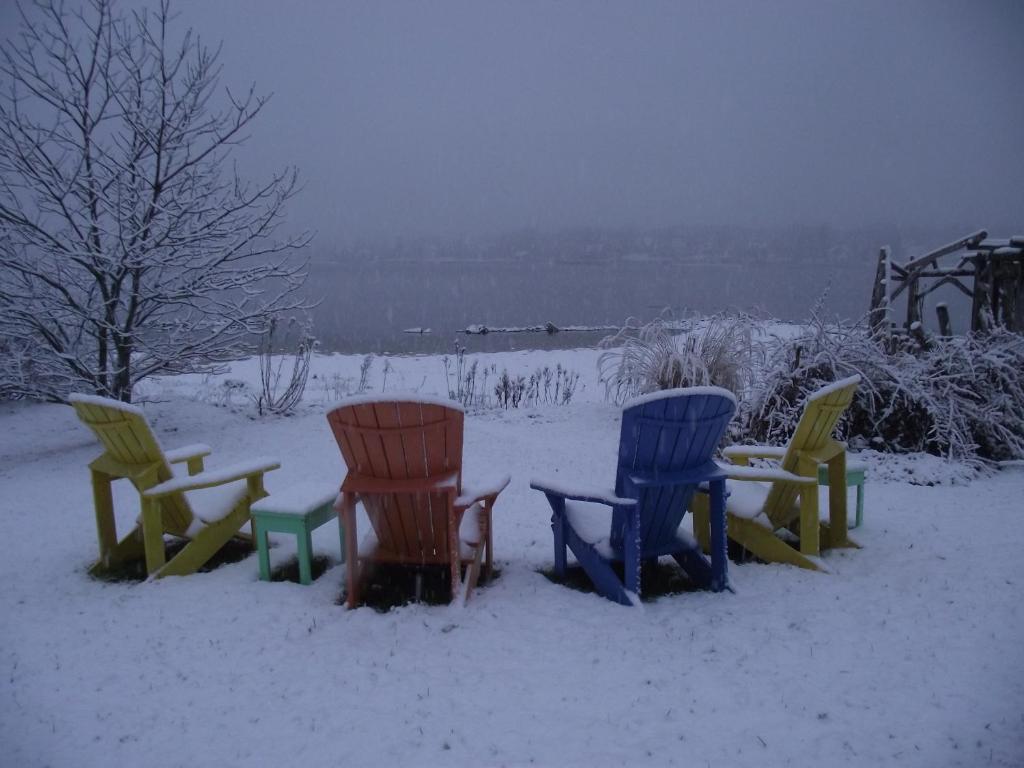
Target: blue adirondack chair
<point>665,456</point>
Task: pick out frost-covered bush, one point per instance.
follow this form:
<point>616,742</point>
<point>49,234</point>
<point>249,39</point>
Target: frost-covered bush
<point>468,384</point>
<point>545,386</point>
<point>961,397</point>
<point>467,381</point>
<point>279,393</point>
<point>720,350</point>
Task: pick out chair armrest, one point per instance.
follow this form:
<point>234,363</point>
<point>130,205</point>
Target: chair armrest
<point>765,474</point>
<point>704,473</point>
<point>213,477</point>
<point>753,451</point>
<point>472,495</point>
<point>360,484</point>
<point>186,452</point>
<point>598,495</point>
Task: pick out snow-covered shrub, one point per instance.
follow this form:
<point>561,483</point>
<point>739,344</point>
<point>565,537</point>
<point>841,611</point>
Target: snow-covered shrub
<point>364,374</point>
<point>719,350</point>
<point>545,386</point>
<point>277,394</point>
<point>509,390</point>
<point>961,397</point>
<point>24,373</point>
<point>462,377</point>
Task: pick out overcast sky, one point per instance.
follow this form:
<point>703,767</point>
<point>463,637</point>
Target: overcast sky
<point>477,116</point>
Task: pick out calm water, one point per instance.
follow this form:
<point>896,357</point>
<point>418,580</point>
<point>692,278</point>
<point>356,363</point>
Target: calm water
<point>367,306</point>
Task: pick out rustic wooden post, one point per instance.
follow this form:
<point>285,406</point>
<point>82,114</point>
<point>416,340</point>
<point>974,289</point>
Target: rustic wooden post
<point>1008,287</point>
<point>981,305</point>
<point>913,303</point>
<point>945,329</point>
<point>880,293</point>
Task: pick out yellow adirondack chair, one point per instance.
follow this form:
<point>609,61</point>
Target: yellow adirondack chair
<point>769,505</point>
<point>206,507</point>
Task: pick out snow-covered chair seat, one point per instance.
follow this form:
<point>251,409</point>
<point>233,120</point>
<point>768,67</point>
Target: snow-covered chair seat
<point>208,507</point>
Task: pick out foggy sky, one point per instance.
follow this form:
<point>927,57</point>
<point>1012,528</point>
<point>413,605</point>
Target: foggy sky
<point>477,116</point>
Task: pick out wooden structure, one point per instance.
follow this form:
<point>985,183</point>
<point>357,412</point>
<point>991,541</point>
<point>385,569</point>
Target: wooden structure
<point>990,272</point>
<point>206,507</point>
<point>770,504</point>
<point>404,459</point>
<point>665,453</point>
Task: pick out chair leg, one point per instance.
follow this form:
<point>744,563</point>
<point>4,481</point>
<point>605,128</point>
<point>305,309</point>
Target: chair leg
<point>103,505</point>
<point>305,554</point>
<point>718,542</point>
<point>810,525</point>
<point>489,554</point>
<point>153,536</point>
<point>263,550</point>
<point>765,545</point>
<point>453,553</point>
<point>837,512</point>
<point>695,565</point>
<point>631,553</point>
<point>558,531</point>
<point>206,543</point>
<point>701,521</point>
<point>473,572</point>
<point>347,519</point>
<point>128,549</point>
<point>600,572</point>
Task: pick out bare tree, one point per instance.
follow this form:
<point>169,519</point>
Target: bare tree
<point>129,246</point>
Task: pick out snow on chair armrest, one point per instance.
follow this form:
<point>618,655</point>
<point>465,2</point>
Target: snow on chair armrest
<point>764,474</point>
<point>187,452</point>
<point>472,494</point>
<point>754,451</point>
<point>213,477</point>
<point>580,493</point>
<point>298,500</point>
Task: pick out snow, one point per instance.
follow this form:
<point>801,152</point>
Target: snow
<point>480,490</point>
<point>213,477</point>
<point>835,386</point>
<point>745,473</point>
<point>592,523</point>
<point>907,653</point>
<point>105,402</point>
<point>652,397</point>
<point>299,499</point>
<point>212,504</point>
<point>401,397</point>
<point>767,451</point>
<point>186,452</point>
<point>570,491</point>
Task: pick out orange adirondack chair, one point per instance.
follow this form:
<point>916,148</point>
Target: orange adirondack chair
<point>404,459</point>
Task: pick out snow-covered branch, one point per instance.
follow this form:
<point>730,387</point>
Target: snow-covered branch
<point>130,245</point>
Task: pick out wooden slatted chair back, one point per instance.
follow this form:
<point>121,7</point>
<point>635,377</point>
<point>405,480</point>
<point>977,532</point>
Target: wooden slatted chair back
<point>133,451</point>
<point>674,431</point>
<point>404,440</point>
<point>813,434</point>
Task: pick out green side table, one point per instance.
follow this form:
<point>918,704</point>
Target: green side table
<point>298,510</point>
<point>855,473</point>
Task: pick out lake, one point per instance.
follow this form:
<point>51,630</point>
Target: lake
<point>366,306</point>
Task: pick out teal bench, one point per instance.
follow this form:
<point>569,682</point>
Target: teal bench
<point>855,473</point>
<point>299,510</point>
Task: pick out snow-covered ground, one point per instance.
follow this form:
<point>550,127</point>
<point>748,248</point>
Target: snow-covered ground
<point>908,653</point>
